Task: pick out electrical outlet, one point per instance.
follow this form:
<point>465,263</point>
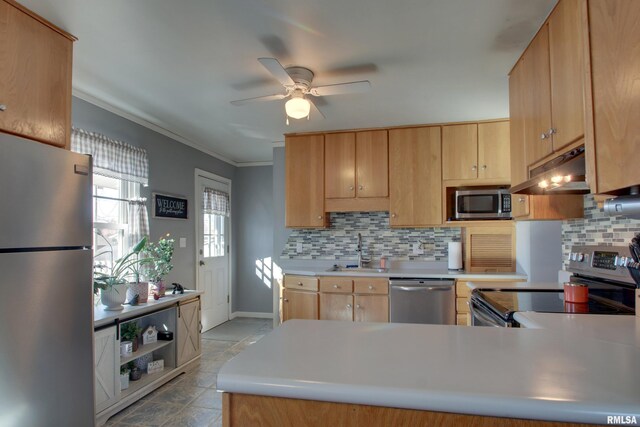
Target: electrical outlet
<point>183,242</point>
<point>417,250</point>
<point>299,247</point>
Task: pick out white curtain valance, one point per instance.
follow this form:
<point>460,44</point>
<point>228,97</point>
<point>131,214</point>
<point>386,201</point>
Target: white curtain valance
<point>112,158</point>
<point>215,202</point>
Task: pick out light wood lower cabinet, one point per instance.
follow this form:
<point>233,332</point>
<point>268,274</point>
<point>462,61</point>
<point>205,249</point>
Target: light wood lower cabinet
<point>299,305</point>
<point>358,299</point>
<point>107,367</point>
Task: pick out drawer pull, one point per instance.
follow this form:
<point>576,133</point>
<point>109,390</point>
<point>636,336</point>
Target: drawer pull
<point>371,287</point>
<point>336,286</point>
<point>349,306</point>
<point>300,284</point>
<point>358,306</point>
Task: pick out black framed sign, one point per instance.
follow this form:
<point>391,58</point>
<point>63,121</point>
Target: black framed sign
<point>166,206</point>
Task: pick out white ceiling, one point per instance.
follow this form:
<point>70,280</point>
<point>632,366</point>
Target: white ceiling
<point>177,64</point>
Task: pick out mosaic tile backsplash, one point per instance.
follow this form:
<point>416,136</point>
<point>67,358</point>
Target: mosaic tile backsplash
<point>597,228</point>
<point>339,242</point>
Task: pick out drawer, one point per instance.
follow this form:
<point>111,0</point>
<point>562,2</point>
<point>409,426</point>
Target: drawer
<point>365,285</point>
<point>306,283</point>
<point>461,305</point>
<point>336,284</point>
<point>462,290</point>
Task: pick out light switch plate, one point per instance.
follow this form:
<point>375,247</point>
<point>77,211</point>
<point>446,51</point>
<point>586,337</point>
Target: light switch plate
<point>183,242</point>
<point>299,247</point>
<point>417,250</point>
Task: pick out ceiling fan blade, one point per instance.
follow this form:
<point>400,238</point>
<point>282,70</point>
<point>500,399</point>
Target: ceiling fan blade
<point>258,99</point>
<point>341,88</point>
<point>315,108</point>
<point>277,70</point>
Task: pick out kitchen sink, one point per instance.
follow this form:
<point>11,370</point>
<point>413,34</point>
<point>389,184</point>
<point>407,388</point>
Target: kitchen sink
<point>338,268</point>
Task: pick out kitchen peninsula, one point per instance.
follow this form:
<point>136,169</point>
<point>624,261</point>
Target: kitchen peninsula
<point>430,374</point>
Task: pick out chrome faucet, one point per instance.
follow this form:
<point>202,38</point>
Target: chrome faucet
<point>362,262</point>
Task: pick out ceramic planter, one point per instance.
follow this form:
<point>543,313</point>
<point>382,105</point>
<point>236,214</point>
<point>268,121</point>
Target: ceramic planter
<point>113,297</point>
<point>159,288</point>
<point>141,289</point>
<point>124,381</point>
<point>135,374</point>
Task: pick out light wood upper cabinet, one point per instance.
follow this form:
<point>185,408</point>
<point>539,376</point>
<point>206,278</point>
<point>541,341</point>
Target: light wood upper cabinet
<point>493,151</point>
<point>356,171</point>
<point>372,163</point>
<point>537,98</point>
<point>566,53</point>
<point>35,76</point>
<point>415,177</point>
<point>304,181</point>
<point>340,165</point>
<point>614,28</point>
<point>460,152</point>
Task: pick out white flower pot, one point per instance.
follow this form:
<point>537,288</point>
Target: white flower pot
<point>113,297</point>
<point>124,381</point>
<point>141,289</point>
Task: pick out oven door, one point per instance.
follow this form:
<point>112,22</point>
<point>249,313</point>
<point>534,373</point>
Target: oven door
<point>481,316</point>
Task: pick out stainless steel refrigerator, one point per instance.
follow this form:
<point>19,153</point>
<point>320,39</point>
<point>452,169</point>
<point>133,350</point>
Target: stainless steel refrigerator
<point>46,303</point>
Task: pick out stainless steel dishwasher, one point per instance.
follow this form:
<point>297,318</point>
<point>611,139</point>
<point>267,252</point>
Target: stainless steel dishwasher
<point>422,301</point>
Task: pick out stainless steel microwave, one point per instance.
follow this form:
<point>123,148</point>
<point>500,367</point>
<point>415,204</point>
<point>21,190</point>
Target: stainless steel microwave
<point>483,204</point>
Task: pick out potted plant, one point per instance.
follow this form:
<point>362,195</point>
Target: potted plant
<point>138,287</point>
<point>130,331</point>
<point>161,254</point>
<point>124,377</point>
<point>111,279</point>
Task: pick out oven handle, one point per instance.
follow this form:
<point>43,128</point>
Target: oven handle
<point>423,288</point>
<point>482,316</point>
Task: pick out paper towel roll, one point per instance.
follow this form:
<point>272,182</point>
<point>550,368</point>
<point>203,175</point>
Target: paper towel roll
<point>455,256</point>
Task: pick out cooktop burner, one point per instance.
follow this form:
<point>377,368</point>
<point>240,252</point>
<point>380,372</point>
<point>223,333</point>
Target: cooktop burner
<point>505,302</point>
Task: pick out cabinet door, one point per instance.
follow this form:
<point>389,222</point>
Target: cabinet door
<point>372,160</point>
<point>340,165</point>
<point>35,78</point>
<point>304,182</point>
<point>371,308</point>
<point>188,336</point>
<point>519,172</point>
<point>537,98</point>
<point>494,151</point>
<point>490,249</point>
<point>615,64</point>
<point>299,305</point>
<point>107,368</point>
<point>566,46</point>
<point>415,178</point>
<point>460,152</point>
<point>520,205</point>
<point>336,306</point>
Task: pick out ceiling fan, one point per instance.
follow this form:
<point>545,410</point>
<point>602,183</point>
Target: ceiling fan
<point>297,84</point>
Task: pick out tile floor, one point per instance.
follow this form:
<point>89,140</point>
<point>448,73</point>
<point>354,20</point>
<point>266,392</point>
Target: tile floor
<point>191,400</point>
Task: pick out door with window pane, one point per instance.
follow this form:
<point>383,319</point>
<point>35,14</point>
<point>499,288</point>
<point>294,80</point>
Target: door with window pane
<point>213,249</point>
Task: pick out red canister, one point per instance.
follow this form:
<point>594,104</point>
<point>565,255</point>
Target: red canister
<point>576,293</point>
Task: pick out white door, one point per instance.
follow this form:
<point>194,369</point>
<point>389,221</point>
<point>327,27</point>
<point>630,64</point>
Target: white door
<point>213,254</point>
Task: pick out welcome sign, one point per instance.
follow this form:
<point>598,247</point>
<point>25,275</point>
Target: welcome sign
<point>165,206</point>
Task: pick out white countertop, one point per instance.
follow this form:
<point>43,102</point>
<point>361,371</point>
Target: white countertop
<point>504,372</point>
<point>515,285</point>
<point>425,273</point>
<point>103,317</point>
<point>611,328</point>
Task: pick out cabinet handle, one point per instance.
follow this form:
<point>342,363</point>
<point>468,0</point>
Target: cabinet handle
<point>336,286</point>
<point>358,306</point>
<point>351,188</point>
<point>370,287</point>
<point>360,187</point>
<point>319,216</point>
<point>552,131</point>
<point>200,328</point>
<point>349,306</point>
<point>544,136</point>
<point>299,283</point>
<point>393,215</point>
<point>3,107</point>
<point>286,300</point>
<point>521,199</point>
<point>474,167</point>
<point>484,167</point>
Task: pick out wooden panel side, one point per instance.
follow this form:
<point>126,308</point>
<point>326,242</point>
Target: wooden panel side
<point>340,165</point>
<point>460,152</point>
<point>251,410</point>
<point>372,164</point>
<point>615,68</point>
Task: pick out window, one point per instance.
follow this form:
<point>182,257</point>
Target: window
<point>110,214</point>
<point>214,245</point>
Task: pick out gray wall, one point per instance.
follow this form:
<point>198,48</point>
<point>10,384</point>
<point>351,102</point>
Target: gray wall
<point>539,249</point>
<point>171,170</point>
<point>253,239</point>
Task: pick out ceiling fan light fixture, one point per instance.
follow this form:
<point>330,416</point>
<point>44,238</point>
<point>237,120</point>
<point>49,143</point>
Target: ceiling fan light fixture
<point>297,108</point>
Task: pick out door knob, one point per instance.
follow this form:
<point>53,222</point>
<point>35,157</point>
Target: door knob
<point>201,262</point>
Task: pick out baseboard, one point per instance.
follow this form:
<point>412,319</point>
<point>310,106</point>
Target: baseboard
<point>251,314</point>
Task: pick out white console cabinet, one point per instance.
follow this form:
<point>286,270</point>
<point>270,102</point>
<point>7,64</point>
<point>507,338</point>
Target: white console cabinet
<point>179,314</point>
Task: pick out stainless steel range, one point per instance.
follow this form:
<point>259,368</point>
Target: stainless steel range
<point>605,270</point>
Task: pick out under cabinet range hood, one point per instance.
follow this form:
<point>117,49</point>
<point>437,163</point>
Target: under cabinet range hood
<point>564,174</point>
